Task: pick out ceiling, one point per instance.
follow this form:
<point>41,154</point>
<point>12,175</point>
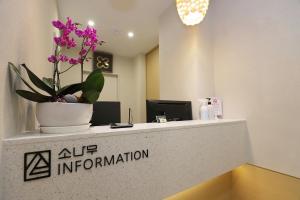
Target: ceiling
<point>115,18</point>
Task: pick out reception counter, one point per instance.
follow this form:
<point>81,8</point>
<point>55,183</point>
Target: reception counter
<point>146,162</point>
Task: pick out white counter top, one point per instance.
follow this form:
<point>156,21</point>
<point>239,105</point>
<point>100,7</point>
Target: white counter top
<point>146,162</point>
<point>101,131</point>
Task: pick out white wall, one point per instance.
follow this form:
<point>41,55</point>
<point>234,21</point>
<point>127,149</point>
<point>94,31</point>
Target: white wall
<point>26,37</point>
<point>185,60</point>
<point>129,73</point>
<point>127,90</point>
<point>140,87</point>
<point>257,72</point>
<point>252,48</point>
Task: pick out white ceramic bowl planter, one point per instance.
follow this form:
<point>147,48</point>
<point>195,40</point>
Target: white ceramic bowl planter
<point>59,117</point>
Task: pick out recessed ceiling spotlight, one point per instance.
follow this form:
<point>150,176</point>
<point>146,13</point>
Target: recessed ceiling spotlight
<point>130,34</point>
<point>91,23</point>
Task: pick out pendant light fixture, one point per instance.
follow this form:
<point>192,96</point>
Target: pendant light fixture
<point>192,12</point>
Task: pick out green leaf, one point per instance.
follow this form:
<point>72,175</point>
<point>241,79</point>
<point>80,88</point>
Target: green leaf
<point>33,96</point>
<point>70,89</point>
<point>93,86</point>
<point>38,82</point>
<point>17,71</point>
<point>48,81</point>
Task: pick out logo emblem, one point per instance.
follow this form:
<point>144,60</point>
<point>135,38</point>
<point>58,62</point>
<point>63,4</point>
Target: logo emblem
<point>37,165</point>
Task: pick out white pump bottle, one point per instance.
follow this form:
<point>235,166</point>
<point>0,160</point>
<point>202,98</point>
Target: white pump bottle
<point>203,111</point>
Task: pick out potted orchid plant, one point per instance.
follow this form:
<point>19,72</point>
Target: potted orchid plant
<point>59,106</point>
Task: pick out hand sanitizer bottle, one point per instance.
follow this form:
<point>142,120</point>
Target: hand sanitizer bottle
<point>210,108</point>
<point>204,109</point>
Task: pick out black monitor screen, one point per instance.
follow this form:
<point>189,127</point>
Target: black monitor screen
<point>174,110</point>
<point>106,112</point>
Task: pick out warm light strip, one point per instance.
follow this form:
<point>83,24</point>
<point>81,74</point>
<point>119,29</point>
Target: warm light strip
<point>192,12</point>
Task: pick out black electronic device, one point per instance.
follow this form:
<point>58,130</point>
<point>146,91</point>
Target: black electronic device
<point>120,125</point>
<point>173,110</point>
<point>106,112</point>
<point>123,125</point>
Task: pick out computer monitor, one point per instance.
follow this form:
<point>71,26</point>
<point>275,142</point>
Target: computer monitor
<point>105,113</point>
<point>173,110</point>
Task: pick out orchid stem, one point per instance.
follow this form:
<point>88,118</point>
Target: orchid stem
<point>67,69</point>
<point>81,72</point>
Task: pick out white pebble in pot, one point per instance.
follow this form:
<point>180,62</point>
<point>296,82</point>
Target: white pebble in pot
<point>69,98</point>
